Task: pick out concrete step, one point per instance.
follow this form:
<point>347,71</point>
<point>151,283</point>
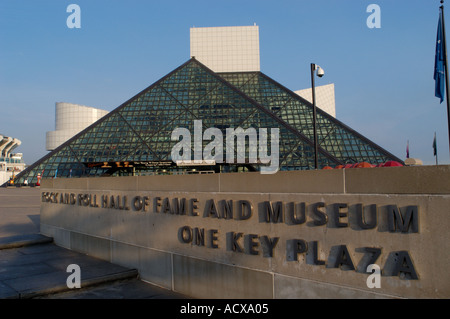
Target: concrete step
<point>31,268</point>
<point>119,289</point>
<point>23,241</point>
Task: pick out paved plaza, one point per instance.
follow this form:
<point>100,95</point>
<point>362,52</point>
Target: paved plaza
<point>19,211</point>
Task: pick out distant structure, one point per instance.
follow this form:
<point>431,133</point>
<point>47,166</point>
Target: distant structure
<point>227,49</point>
<point>11,164</point>
<point>236,49</point>
<point>413,162</point>
<point>325,98</point>
<point>71,119</point>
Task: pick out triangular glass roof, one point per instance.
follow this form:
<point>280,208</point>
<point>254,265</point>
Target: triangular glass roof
<point>135,138</point>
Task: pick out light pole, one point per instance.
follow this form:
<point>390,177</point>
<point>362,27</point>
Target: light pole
<point>320,73</point>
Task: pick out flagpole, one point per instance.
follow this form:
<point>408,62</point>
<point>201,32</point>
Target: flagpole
<point>407,149</point>
<point>435,148</point>
<point>446,72</point>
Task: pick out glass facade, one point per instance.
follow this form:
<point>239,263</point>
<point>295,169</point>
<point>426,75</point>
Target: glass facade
<point>135,138</point>
<point>335,137</point>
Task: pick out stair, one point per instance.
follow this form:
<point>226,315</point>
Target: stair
<point>33,266</point>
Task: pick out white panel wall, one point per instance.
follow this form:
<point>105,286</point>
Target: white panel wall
<point>325,98</point>
<point>227,49</point>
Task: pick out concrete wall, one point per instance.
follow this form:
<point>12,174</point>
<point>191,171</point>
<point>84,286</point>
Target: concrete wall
<point>236,259</point>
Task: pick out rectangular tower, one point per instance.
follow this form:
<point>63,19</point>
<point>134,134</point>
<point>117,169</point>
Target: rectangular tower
<point>227,49</point>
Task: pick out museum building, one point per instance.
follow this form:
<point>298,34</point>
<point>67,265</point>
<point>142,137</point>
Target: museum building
<point>136,138</point>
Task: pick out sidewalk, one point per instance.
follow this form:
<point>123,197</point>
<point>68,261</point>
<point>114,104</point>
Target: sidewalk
<point>32,266</point>
<point>19,211</point>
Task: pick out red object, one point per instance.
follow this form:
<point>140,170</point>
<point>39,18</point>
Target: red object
<point>391,164</point>
<point>327,167</point>
<point>348,165</point>
<point>363,165</point>
<point>339,167</point>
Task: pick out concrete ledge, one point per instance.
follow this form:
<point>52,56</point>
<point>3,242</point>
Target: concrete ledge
<point>94,246</point>
<point>194,183</point>
<point>76,183</point>
<point>205,279</point>
<point>303,234</point>
<point>23,240</point>
<point>321,181</point>
<point>41,269</point>
<point>286,287</point>
<point>398,180</point>
<point>380,180</point>
<point>86,283</point>
<point>185,275</point>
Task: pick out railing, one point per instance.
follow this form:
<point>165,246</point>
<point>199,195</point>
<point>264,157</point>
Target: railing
<point>11,160</point>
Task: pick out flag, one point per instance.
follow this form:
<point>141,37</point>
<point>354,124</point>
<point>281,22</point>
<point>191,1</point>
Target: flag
<point>439,61</point>
<point>407,149</point>
<point>434,145</point>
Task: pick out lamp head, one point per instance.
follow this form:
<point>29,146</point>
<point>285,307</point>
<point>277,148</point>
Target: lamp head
<point>320,72</point>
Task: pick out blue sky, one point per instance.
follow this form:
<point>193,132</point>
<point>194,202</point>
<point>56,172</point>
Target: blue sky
<point>383,77</point>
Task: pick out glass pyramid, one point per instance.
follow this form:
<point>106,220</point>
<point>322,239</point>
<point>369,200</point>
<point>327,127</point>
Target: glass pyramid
<point>335,137</point>
<point>135,138</point>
